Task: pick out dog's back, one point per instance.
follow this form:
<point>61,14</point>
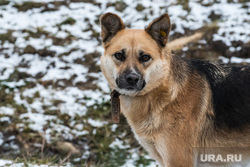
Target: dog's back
<point>230,86</point>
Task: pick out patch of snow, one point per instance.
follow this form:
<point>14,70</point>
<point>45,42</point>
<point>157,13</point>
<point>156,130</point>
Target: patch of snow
<point>114,127</point>
<point>96,123</point>
<point>224,59</point>
<point>10,163</point>
<point>5,162</point>
<point>7,110</point>
<point>5,119</point>
<point>239,60</point>
<point>119,143</point>
<point>14,84</point>
<point>36,120</point>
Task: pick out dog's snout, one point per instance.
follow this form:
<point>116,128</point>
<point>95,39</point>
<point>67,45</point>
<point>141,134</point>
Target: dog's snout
<point>132,78</point>
<point>130,81</point>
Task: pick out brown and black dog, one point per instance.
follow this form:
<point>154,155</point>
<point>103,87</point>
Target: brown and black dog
<point>173,104</point>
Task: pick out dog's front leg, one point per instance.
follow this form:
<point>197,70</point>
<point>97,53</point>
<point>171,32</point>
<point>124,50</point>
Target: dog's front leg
<point>150,148</point>
<point>176,156</point>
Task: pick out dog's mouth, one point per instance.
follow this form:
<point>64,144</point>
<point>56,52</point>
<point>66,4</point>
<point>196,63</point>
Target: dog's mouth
<point>130,88</point>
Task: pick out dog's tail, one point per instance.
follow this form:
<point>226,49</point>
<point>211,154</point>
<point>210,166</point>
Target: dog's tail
<point>178,44</point>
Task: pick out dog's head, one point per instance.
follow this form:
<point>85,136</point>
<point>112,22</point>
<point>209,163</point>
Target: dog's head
<point>134,61</point>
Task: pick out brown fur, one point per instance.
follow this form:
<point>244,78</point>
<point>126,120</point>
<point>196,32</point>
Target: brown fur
<point>169,116</point>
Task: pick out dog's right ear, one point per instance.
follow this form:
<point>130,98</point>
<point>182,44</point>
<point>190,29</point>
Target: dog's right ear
<point>111,24</point>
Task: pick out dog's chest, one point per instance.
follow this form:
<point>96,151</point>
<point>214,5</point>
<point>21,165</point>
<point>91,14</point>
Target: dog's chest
<point>147,122</point>
<point>143,119</point>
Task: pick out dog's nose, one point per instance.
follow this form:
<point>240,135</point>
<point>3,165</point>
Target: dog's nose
<point>132,78</point>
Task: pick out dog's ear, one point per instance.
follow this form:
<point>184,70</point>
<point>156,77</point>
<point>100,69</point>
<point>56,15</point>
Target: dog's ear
<point>111,24</point>
<point>159,30</point>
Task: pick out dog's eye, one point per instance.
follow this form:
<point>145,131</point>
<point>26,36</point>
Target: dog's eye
<point>144,58</point>
<point>119,56</point>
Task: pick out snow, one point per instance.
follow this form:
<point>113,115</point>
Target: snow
<point>114,127</point>
<point>5,162</point>
<point>10,163</point>
<point>234,60</point>
<point>96,123</point>
<point>134,157</point>
<point>239,60</point>
<point>14,84</point>
<point>118,143</point>
<point>233,27</point>
<point>7,111</point>
<point>36,120</point>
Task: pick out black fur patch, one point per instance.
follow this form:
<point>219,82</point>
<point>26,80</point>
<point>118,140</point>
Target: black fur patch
<point>230,87</point>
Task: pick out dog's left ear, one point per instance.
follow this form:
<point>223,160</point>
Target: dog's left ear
<point>159,29</point>
<point>111,24</point>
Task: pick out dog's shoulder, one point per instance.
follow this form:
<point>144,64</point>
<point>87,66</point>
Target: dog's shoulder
<point>230,87</point>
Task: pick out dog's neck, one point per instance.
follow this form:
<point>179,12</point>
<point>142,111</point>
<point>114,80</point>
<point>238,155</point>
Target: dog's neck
<point>140,109</point>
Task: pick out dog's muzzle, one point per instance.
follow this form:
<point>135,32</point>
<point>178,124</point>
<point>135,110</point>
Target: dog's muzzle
<point>130,81</point>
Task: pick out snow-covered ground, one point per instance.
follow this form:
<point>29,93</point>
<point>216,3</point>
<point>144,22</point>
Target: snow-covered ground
<point>11,164</point>
<point>50,81</point>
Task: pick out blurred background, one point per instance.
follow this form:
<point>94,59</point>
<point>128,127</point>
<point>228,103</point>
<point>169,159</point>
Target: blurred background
<point>54,101</point>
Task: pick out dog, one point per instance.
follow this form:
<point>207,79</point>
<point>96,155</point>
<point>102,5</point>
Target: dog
<point>173,104</point>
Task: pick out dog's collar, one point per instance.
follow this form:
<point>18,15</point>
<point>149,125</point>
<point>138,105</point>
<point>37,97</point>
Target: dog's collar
<point>115,106</point>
